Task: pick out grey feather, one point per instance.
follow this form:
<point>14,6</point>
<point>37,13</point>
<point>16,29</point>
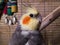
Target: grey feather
<point>32,38</point>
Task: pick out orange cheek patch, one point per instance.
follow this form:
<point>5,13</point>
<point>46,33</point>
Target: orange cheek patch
<point>26,20</point>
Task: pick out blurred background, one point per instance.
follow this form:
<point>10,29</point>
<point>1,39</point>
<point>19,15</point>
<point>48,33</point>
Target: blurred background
<point>51,33</point>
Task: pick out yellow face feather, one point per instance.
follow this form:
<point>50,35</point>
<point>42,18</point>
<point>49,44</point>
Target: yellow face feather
<point>32,10</point>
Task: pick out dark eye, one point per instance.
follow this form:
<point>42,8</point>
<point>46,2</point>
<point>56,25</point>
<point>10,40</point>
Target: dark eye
<point>31,15</point>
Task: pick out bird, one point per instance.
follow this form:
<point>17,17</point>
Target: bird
<point>27,31</point>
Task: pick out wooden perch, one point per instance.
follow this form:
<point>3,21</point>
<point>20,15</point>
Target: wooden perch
<point>50,18</point>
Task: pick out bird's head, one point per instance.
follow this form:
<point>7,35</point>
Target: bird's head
<point>30,19</point>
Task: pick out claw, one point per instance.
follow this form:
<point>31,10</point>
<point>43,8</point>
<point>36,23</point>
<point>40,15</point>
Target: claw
<point>14,20</point>
<point>6,20</point>
<point>10,22</point>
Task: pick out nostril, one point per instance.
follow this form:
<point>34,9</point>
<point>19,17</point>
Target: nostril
<point>31,15</point>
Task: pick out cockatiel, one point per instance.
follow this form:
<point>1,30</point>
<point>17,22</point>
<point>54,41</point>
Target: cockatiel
<point>27,32</point>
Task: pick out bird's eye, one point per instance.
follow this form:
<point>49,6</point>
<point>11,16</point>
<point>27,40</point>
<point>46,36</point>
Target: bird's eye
<point>31,15</point>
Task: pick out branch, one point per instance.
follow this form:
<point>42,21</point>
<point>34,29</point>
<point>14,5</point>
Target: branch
<point>50,18</point>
